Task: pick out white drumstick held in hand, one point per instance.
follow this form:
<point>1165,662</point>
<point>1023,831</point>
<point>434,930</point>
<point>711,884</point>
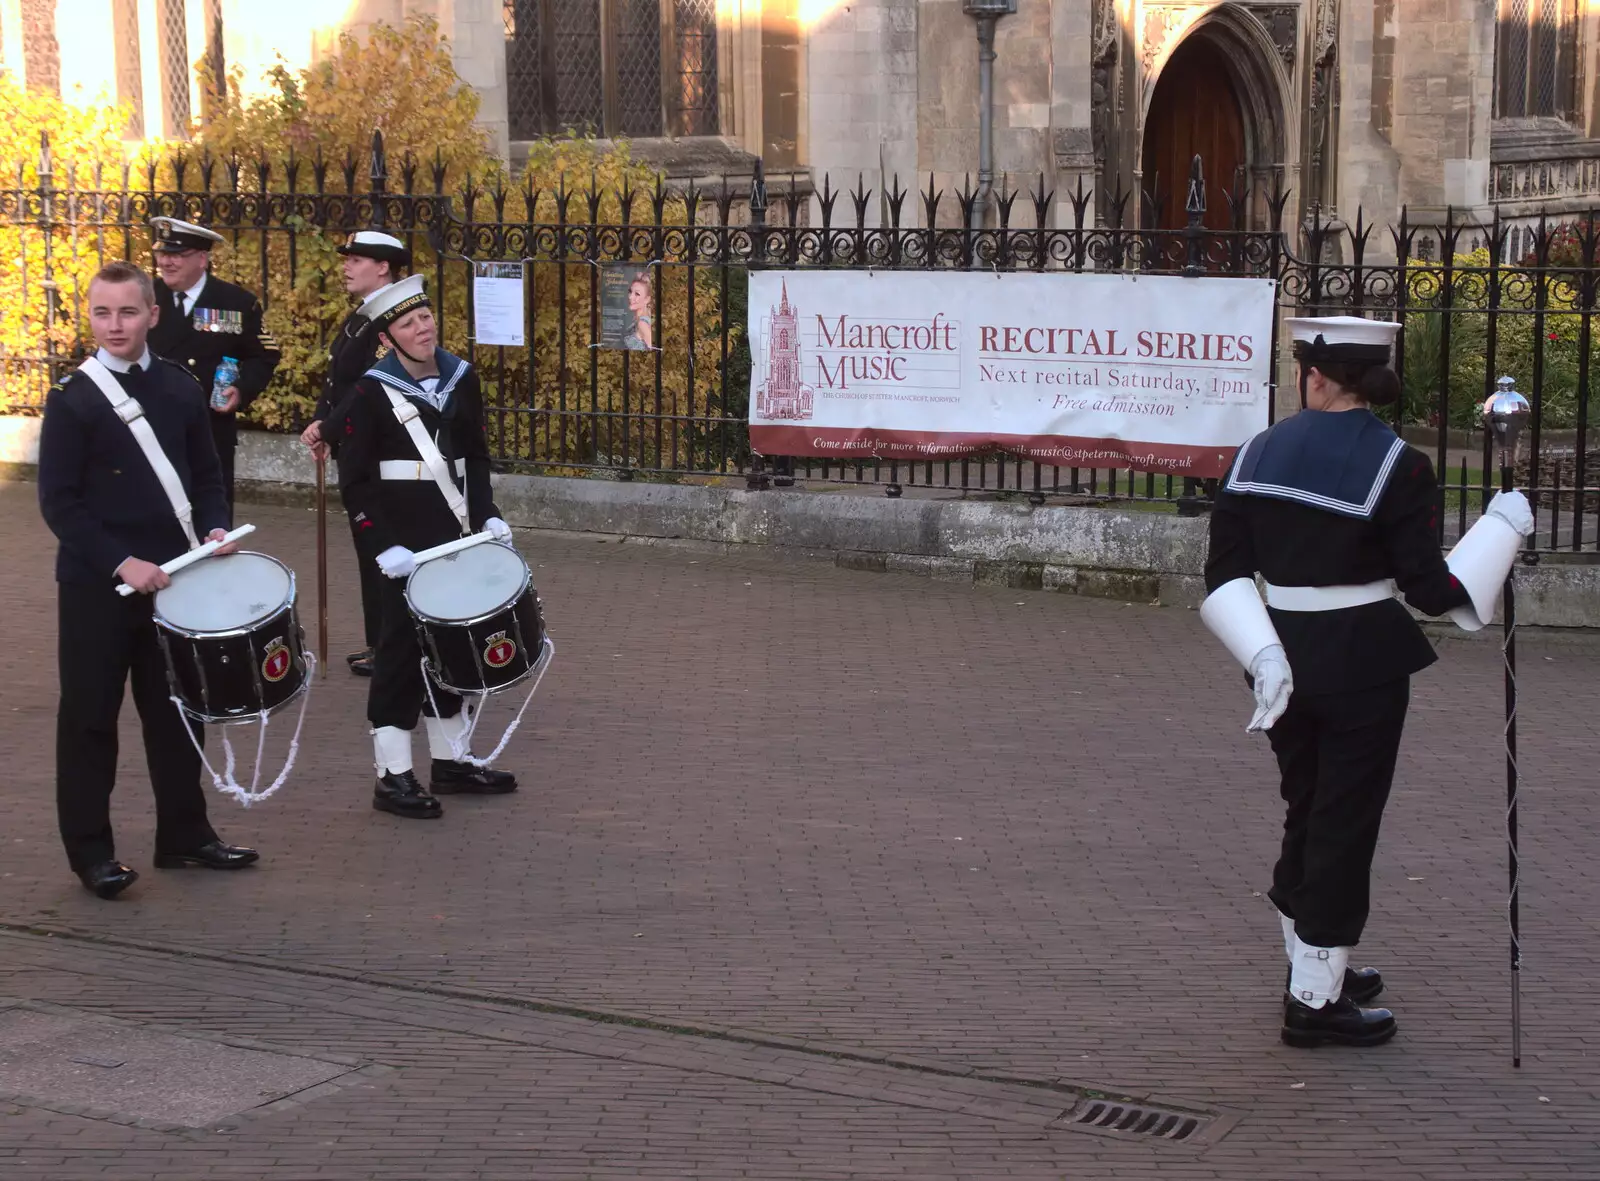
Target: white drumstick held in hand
<point>452,547</point>
<point>195,555</point>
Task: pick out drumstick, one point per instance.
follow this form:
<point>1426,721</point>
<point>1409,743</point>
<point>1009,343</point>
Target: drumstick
<point>194,555</point>
<point>451,547</point>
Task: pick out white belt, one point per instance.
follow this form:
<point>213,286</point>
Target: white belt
<point>412,469</point>
<point>1328,598</point>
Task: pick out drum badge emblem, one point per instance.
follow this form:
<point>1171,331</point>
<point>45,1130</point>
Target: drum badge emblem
<point>275,664</point>
<point>497,653</point>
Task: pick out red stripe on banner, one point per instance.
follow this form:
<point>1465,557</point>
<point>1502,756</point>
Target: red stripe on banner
<point>931,446</point>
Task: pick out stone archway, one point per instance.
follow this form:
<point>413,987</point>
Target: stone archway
<point>1221,93</point>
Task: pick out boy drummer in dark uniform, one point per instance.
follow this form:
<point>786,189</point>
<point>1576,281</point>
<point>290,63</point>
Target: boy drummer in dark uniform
<point>399,508</point>
<point>116,520</point>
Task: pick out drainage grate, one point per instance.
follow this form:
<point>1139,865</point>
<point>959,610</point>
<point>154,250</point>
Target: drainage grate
<point>1135,1119</point>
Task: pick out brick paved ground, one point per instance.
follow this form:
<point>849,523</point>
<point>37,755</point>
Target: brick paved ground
<point>876,869</point>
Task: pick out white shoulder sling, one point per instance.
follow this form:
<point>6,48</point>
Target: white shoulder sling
<point>129,410</point>
<point>411,418</point>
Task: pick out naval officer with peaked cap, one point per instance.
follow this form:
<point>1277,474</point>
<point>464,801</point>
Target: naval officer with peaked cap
<point>204,319</point>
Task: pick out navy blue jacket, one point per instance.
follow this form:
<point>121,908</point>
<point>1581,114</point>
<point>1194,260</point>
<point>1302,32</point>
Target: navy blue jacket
<point>97,491</point>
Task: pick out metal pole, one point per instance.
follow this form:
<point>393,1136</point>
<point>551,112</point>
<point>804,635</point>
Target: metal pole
<point>322,563</point>
<point>985,120</point>
<point>1506,413</point>
<point>1509,646</point>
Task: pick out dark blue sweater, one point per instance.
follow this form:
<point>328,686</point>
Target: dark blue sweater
<point>97,491</point>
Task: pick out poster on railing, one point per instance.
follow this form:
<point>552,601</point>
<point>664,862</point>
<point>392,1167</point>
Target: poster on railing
<point>499,315</point>
<point>1158,373</point>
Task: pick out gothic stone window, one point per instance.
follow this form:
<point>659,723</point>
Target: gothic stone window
<point>611,67</point>
<point>1536,59</point>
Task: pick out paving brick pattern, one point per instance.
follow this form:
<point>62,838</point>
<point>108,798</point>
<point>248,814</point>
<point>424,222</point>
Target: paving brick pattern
<point>820,874</point>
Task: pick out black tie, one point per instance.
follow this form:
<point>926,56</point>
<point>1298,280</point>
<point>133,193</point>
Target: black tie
<point>177,297</point>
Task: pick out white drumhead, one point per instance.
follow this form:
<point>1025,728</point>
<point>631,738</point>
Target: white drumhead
<point>469,584</point>
<point>221,594</point>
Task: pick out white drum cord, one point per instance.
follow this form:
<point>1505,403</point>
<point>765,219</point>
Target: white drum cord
<point>461,743</point>
<point>225,783</point>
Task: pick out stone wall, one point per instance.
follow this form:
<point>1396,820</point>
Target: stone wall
<point>861,84</point>
<point>1416,99</point>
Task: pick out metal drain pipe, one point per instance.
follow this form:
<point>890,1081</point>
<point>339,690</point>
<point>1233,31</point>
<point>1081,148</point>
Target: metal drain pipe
<point>986,13</point>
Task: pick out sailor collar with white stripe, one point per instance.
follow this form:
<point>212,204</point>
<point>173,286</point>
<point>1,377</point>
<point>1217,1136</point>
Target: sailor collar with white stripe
<point>1337,461</point>
<point>392,373</point>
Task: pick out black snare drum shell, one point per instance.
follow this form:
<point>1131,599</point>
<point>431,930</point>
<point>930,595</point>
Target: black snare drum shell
<point>488,655</point>
<point>237,676</point>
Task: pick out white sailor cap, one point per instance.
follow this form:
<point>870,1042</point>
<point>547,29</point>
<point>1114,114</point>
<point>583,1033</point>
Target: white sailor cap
<point>388,303</point>
<point>1342,338</point>
<point>376,244</point>
<point>172,235</point>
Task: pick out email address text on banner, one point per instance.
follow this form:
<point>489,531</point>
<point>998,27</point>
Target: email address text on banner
<point>1156,372</point>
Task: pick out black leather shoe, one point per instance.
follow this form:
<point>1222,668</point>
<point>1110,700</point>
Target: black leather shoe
<point>352,657</point>
<point>1360,984</point>
<point>107,879</point>
<point>402,795</point>
<point>211,855</point>
<point>1338,1023</point>
<point>450,778</point>
<point>360,663</point>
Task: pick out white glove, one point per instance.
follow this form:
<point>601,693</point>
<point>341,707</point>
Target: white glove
<point>1512,508</point>
<point>497,529</point>
<point>397,561</point>
<point>1273,685</point>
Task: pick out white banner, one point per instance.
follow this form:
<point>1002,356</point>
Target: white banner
<point>1156,372</point>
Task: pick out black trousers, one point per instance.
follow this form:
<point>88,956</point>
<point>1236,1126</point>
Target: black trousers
<point>398,695</point>
<point>371,580</point>
<point>225,434</point>
<point>104,638</point>
<point>1336,753</point>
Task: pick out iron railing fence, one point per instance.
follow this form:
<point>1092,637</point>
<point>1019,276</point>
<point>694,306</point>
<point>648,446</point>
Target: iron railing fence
<point>1470,310</point>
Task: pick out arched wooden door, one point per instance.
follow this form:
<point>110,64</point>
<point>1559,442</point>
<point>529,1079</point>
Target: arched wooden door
<point>1195,111</point>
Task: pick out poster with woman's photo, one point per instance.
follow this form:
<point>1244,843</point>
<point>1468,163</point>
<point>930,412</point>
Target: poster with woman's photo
<point>627,307</point>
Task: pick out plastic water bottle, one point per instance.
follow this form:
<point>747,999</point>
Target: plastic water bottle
<point>227,375</point>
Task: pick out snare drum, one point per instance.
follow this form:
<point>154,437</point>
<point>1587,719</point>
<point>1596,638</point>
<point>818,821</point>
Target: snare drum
<point>478,619</point>
<point>232,638</point>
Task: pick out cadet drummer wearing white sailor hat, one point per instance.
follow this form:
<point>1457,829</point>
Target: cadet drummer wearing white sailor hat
<point>1337,514</point>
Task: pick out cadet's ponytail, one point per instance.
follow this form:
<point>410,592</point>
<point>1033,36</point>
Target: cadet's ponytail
<point>1376,385</point>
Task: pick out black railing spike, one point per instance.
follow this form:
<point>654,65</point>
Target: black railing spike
<point>380,162</point>
<point>758,191</point>
<point>1041,202</point>
<point>1004,204</point>
<point>896,199</point>
<point>439,169</point>
<point>826,200</point>
<point>1080,199</point>
<point>349,169</point>
<point>1195,204</point>
<point>319,170</point>
<point>408,172</point>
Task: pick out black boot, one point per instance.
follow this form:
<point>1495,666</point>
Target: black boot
<point>400,793</point>
<point>360,662</point>
<point>450,778</point>
<point>1337,1023</point>
<point>1360,984</point>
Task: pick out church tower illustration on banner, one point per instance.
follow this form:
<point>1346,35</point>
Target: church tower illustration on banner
<point>783,395</point>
